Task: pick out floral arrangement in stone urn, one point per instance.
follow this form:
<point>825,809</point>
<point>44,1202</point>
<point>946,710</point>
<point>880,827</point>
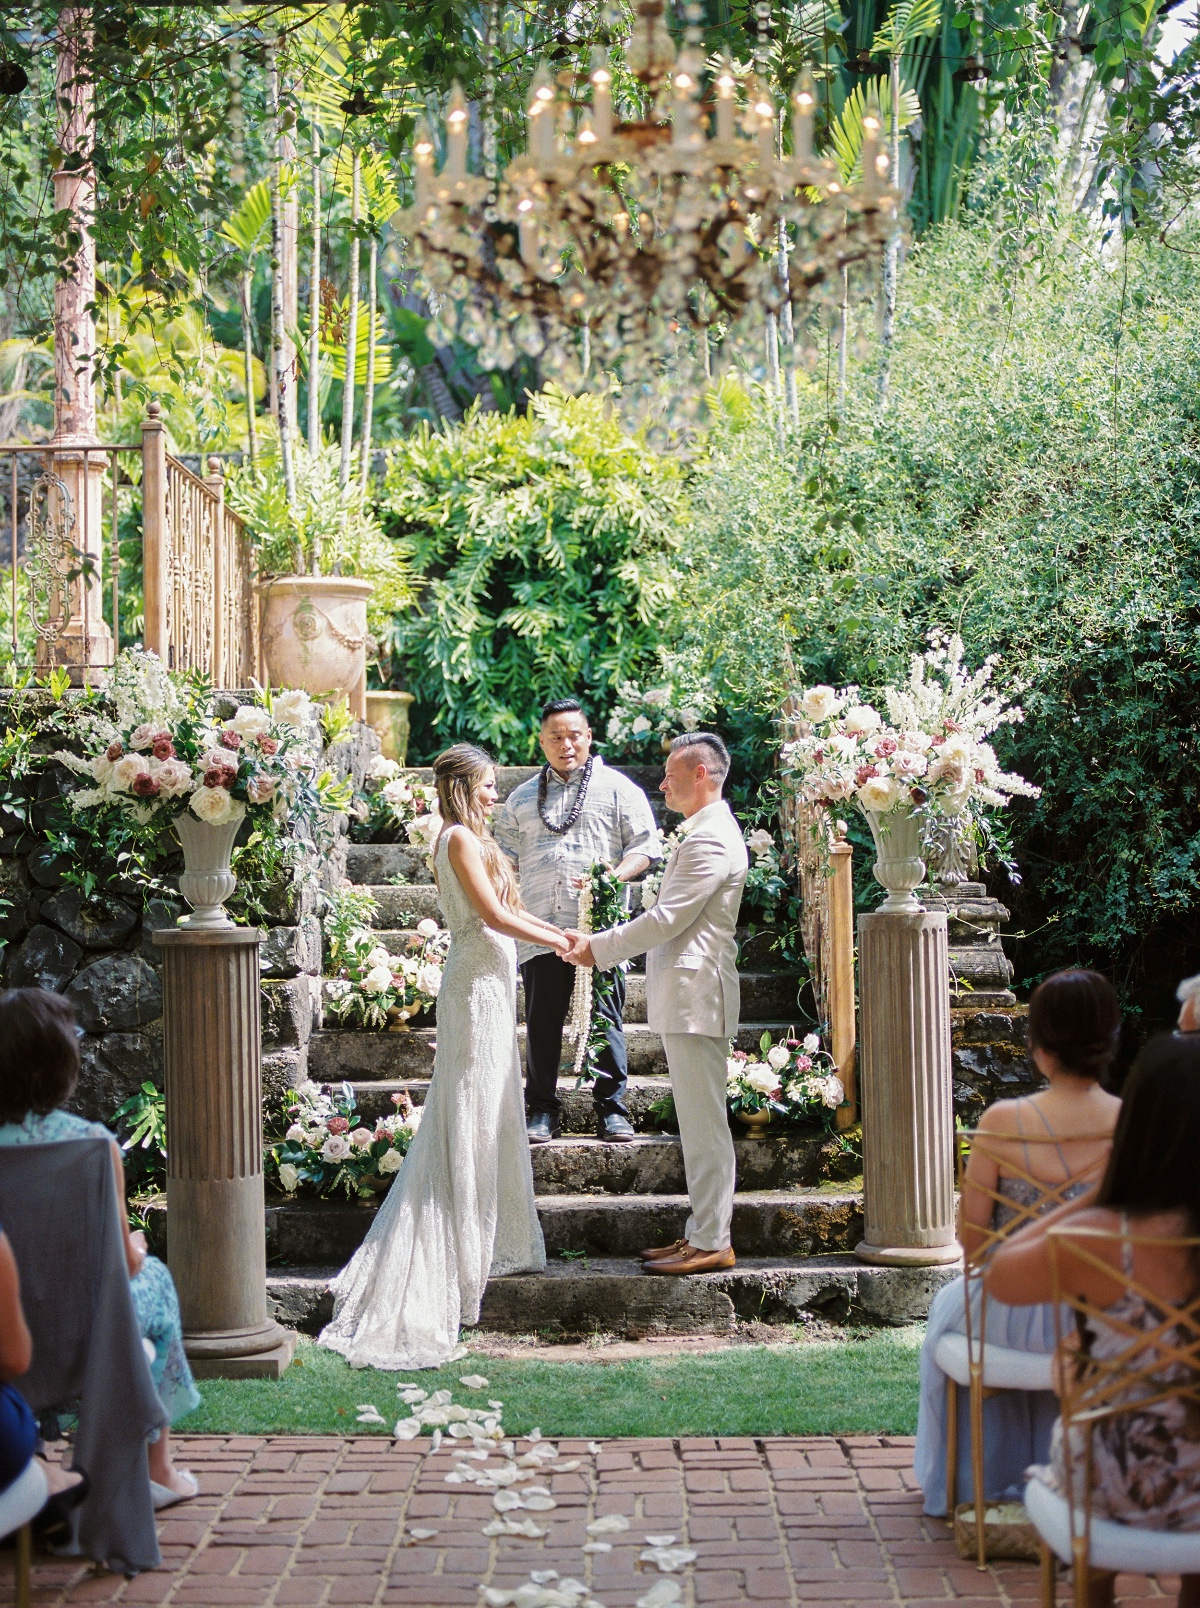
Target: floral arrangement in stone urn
<point>927,761</point>
<point>155,751</point>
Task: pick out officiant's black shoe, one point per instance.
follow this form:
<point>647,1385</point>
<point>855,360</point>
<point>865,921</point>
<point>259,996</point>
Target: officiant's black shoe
<point>615,1129</point>
<point>541,1128</point>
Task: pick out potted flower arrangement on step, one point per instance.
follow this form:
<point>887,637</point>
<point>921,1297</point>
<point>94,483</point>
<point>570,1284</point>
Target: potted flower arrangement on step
<point>928,760</point>
<point>369,987</point>
<point>156,753</point>
<point>393,808</point>
<point>795,1081</point>
<point>328,1150</point>
<point>328,572</point>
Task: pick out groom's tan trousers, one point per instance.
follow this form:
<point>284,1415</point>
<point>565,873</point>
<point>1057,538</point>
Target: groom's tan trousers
<point>697,1067</point>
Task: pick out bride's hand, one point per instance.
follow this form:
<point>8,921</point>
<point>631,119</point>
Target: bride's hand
<point>562,944</point>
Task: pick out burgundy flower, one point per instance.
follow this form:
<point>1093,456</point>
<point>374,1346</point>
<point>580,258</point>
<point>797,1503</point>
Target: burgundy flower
<point>739,1055</point>
<point>114,751</point>
<point>864,774</point>
<point>792,1044</point>
<point>338,1125</point>
<point>220,776</point>
<point>269,745</point>
<point>230,739</point>
<point>885,747</point>
<point>145,786</point>
<point>919,795</point>
<point>163,748</point>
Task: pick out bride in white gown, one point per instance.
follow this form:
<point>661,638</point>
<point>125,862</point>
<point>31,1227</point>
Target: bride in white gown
<point>462,1207</point>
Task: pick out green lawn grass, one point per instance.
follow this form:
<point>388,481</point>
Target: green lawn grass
<point>864,1385</point>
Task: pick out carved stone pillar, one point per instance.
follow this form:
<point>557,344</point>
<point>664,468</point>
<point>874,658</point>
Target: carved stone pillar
<point>216,1238</point>
<point>905,1092</point>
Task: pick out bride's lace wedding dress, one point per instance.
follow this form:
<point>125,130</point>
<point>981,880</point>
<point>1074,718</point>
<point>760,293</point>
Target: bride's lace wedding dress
<point>462,1207</point>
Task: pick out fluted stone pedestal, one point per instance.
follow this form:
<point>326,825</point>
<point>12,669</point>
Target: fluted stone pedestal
<point>216,1239</point>
<point>905,1091</point>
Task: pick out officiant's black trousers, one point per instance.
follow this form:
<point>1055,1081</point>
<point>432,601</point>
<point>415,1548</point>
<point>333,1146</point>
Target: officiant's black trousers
<point>549,982</point>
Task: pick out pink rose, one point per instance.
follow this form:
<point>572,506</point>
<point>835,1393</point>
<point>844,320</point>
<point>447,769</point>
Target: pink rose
<point>803,1063</point>
<point>145,786</point>
<point>885,747</point>
<point>163,748</point>
<point>114,751</point>
<point>338,1125</point>
<point>230,739</point>
<point>260,789</point>
<point>269,745</point>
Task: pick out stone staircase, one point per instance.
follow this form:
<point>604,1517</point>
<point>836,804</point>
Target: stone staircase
<point>797,1213</point>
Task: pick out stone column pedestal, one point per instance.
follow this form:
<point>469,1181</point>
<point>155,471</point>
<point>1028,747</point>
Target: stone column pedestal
<point>905,1093</point>
<point>216,1239</point>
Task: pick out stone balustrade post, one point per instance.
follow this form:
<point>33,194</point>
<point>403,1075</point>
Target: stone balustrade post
<point>155,535</point>
<point>907,1111</point>
<point>216,1238</point>
<point>215,481</point>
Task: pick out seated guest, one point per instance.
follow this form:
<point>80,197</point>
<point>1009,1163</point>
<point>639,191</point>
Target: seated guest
<point>1074,1026</point>
<point>39,1068</point>
<point>18,1427</point>
<point>1188,995</point>
<point>1146,1469</point>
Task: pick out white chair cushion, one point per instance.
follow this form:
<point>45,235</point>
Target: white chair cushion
<point>1115,1546</point>
<point>24,1499</point>
<point>1003,1369</point>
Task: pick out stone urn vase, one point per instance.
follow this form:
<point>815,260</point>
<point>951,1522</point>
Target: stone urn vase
<point>314,632</point>
<point>206,881</point>
<point>387,713</point>
<point>899,845</point>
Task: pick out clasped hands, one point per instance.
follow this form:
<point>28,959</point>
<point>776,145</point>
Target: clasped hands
<point>579,948</point>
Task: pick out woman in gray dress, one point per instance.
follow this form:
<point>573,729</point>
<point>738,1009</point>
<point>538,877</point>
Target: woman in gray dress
<point>1074,1027</point>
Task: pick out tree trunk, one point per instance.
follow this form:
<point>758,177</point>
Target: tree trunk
<point>891,253</point>
<point>278,353</point>
<point>314,303</point>
<point>369,397</point>
<point>248,363</point>
<point>351,331</point>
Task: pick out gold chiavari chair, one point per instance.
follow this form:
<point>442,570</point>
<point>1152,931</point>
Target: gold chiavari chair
<point>970,1361</point>
<point>1160,1363</point>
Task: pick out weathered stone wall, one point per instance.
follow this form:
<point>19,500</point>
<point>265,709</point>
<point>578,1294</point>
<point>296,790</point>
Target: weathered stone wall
<point>100,952</point>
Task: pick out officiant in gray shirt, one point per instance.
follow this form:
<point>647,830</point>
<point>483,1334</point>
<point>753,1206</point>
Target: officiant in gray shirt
<point>576,811</point>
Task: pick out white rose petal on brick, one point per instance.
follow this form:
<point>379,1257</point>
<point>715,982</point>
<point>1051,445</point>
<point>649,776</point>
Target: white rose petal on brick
<point>505,1501</point>
<point>610,1524</point>
<point>668,1559</point>
<point>662,1594</point>
<point>407,1429</point>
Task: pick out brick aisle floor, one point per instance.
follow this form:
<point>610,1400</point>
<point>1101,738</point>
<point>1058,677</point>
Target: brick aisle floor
<point>310,1522</point>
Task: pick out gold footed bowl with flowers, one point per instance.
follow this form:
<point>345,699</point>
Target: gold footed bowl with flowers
<point>756,1121</point>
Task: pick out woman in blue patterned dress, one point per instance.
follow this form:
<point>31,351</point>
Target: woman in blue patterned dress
<point>39,1068</point>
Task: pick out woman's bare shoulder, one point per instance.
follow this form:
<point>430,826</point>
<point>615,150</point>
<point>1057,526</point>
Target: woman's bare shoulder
<point>1000,1118</point>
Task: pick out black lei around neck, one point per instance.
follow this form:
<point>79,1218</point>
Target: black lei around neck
<point>576,808</point>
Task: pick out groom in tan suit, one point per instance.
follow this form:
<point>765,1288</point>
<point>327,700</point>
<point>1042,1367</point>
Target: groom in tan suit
<point>692,995</point>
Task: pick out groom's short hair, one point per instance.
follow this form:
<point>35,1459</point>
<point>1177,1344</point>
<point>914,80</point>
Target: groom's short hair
<point>711,751</point>
<point>562,706</point>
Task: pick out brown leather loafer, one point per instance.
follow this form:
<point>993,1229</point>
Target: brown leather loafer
<point>691,1260</point>
<point>656,1252</point>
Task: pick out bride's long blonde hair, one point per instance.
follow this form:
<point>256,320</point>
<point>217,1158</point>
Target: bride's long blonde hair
<point>459,773</point>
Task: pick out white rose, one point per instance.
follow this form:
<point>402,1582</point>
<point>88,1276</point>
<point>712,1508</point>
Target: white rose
<point>844,747</point>
<point>690,719</point>
<point>760,841</point>
<point>424,829</point>
<point>762,1080</point>
<point>955,750</point>
<point>835,787</point>
<point>819,703</point>
<point>396,793</point>
<point>832,1092</point>
<point>389,1162</point>
<point>379,956</point>
<point>377,980</point>
<point>174,777</point>
<point>382,769</point>
<point>249,721</point>
<point>361,1138</point>
<point>126,771</point>
<point>295,1134</point>
<point>878,793</point>
<point>101,769</point>
<point>908,765</point>
<point>214,805</point>
<point>429,979</point>
<point>916,742</point>
<point>861,719</point>
<point>288,1177</point>
<point>640,725</point>
<point>293,708</point>
<point>427,927</point>
<point>812,1044</point>
<point>778,1056</point>
<point>145,734</point>
<point>614,729</point>
<point>336,1148</point>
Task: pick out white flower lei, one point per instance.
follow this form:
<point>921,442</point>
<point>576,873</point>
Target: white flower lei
<point>580,1024</point>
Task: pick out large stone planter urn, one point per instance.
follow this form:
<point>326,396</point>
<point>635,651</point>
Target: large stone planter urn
<point>206,881</point>
<point>314,632</point>
<point>899,867</point>
<point>387,713</point>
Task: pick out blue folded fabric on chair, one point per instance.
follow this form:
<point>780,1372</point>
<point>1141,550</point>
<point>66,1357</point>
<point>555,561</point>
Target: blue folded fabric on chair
<point>59,1207</point>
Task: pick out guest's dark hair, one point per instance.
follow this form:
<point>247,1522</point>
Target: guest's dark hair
<point>39,1052</point>
<point>710,751</point>
<point>1076,1016</point>
<point>1153,1167</point>
<point>562,706</point>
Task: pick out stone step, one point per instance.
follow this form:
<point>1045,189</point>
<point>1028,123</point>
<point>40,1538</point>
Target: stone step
<point>765,1223</point>
<point>336,1055</point>
<point>612,1296</point>
<point>379,865</point>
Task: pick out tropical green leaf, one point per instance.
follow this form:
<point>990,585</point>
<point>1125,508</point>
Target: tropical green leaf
<point>907,21</point>
<point>846,132</point>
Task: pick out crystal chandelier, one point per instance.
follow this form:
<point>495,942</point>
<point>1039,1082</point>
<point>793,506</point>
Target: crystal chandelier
<point>614,252</point>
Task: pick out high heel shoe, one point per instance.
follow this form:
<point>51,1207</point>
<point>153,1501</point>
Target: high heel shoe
<point>52,1526</point>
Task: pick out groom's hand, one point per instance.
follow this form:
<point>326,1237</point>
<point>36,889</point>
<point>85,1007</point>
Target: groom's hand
<point>580,952</point>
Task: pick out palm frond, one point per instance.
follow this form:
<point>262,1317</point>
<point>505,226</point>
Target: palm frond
<point>846,130</point>
<point>907,21</point>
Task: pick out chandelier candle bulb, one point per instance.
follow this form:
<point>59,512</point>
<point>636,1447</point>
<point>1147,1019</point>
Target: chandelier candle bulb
<point>601,96</point>
<point>585,134</point>
<point>804,102</point>
<point>423,162</point>
<point>456,135</point>
<point>726,84</point>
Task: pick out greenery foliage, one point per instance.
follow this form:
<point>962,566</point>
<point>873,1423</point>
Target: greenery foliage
<point>542,549</point>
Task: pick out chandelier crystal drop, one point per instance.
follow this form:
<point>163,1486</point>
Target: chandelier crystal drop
<point>616,252</point>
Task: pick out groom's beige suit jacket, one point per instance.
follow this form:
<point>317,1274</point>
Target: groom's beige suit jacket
<point>690,936</point>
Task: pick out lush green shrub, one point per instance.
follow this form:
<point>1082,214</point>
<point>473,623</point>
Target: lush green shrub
<point>542,546</point>
<point>1034,485</point>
